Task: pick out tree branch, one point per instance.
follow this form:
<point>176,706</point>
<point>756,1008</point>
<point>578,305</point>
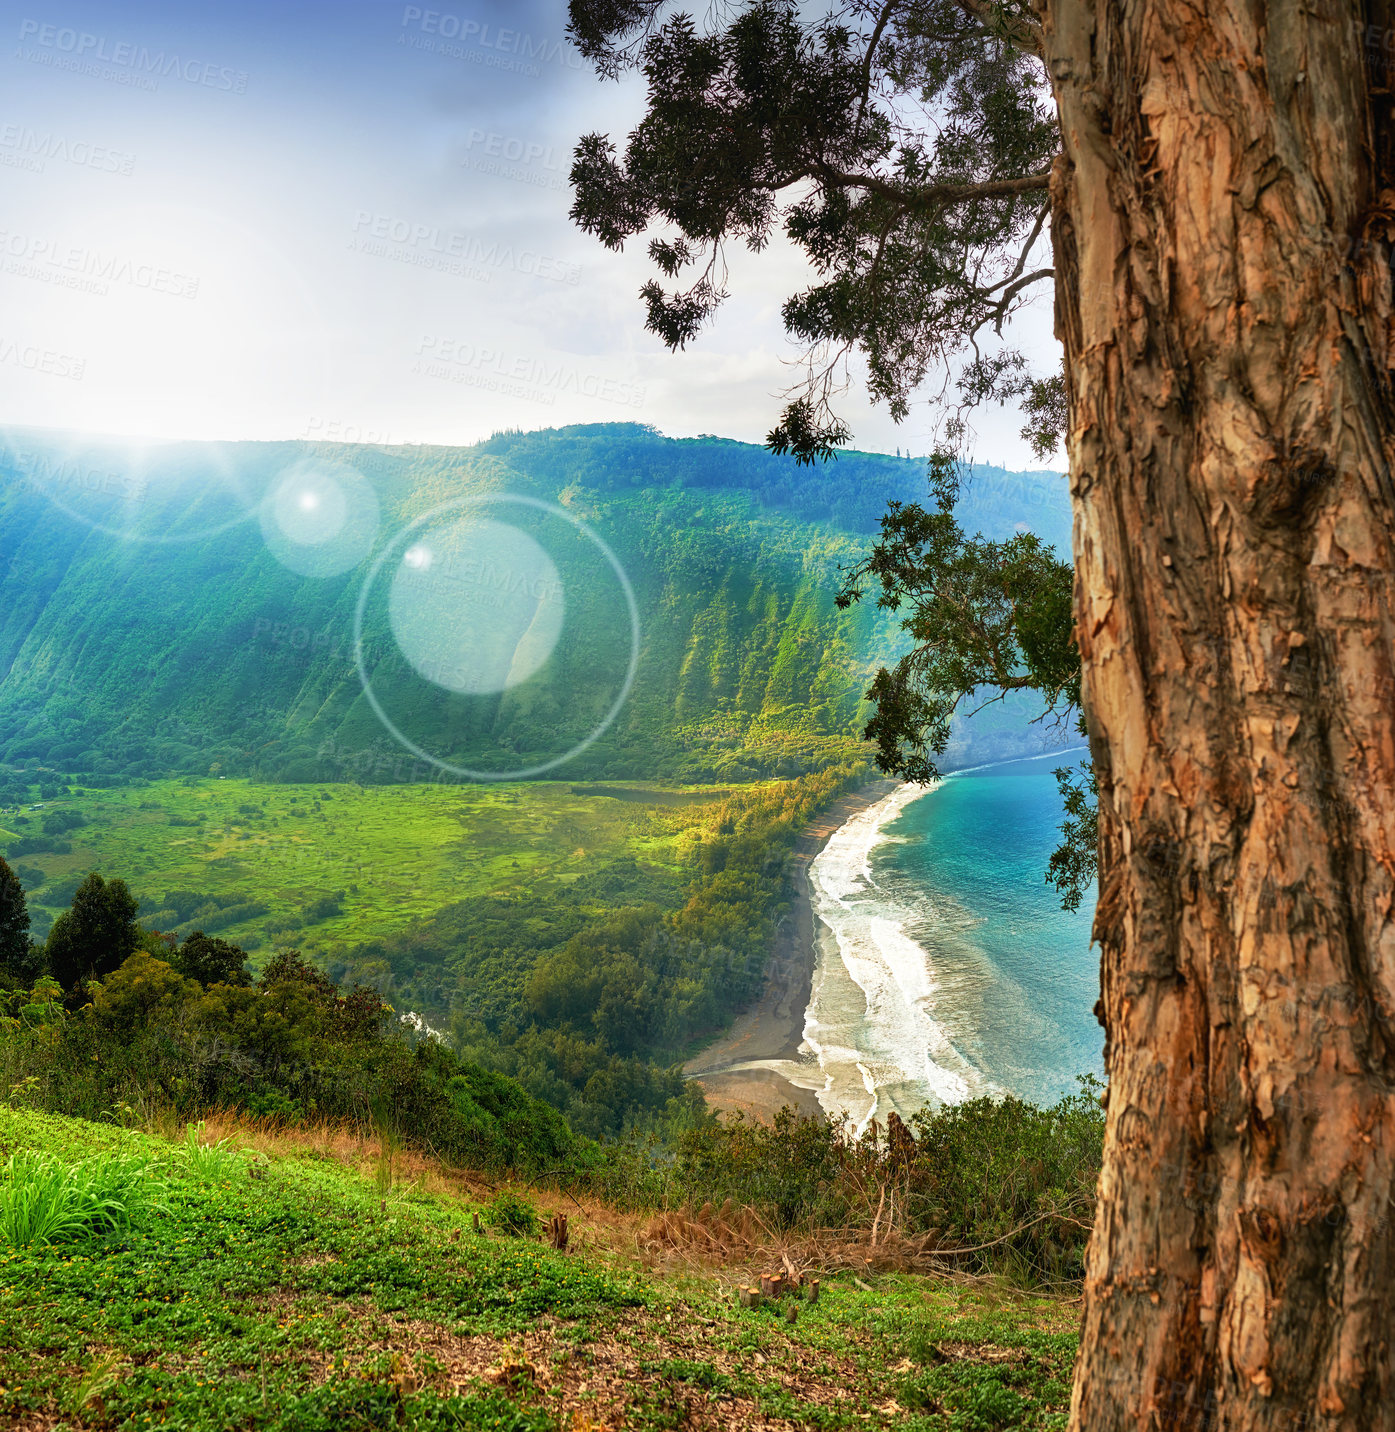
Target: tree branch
<point>1022,34</point>
<point>1031,242</point>
<point>883,19</point>
<point>1011,292</point>
<point>933,195</point>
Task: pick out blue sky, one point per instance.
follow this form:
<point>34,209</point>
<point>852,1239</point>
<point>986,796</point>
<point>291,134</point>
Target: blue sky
<point>348,221</point>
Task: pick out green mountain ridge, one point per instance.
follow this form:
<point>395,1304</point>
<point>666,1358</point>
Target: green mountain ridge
<point>150,623</point>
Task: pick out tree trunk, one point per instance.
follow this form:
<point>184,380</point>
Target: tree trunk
<point>1224,218</point>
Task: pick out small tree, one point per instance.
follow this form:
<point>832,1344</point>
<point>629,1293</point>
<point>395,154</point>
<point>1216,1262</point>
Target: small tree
<point>291,967</point>
<point>14,924</point>
<point>211,961</point>
<point>96,935</point>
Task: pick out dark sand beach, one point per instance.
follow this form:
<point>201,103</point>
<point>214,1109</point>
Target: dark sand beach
<point>773,1027</point>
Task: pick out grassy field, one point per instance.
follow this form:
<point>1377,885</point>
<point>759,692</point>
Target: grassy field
<point>390,853</point>
<point>312,1284</point>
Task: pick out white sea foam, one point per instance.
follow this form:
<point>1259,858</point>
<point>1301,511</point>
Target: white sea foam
<point>870,1024</point>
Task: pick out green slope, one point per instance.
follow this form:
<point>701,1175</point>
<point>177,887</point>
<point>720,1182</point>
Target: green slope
<point>297,1293</point>
<point>147,627</point>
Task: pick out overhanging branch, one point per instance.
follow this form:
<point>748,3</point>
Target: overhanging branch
<point>930,196</point>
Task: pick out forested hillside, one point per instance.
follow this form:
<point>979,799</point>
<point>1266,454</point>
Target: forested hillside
<point>154,621</point>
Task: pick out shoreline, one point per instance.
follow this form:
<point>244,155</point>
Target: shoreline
<point>729,1070</point>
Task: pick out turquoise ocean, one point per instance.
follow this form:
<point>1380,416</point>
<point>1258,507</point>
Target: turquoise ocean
<point>946,968</point>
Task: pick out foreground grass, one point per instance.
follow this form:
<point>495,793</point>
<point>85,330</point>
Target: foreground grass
<point>297,1293</point>
<point>396,853</point>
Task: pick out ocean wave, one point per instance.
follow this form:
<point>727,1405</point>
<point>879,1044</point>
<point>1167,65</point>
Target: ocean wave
<point>870,1024</point>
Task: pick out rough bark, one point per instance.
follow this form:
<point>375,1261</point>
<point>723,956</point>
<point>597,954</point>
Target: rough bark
<point>1224,211</point>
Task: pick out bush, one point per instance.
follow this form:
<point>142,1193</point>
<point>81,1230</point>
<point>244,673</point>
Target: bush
<point>233,915</point>
<point>184,903</point>
<point>325,908</point>
<point>292,1046</point>
<point>986,1170</point>
<point>273,1104</point>
<point>60,822</point>
<point>39,845</point>
<point>512,1215</point>
<point>1001,1173</point>
<point>524,1131</point>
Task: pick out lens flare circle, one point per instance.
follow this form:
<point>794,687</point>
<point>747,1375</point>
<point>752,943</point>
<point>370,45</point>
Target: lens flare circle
<point>320,518</point>
<point>423,554</point>
<point>477,607</point>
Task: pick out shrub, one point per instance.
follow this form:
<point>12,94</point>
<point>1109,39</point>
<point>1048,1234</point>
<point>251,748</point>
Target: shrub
<point>512,1215</point>
<point>292,1046</point>
<point>60,822</point>
<point>185,902</point>
<point>1006,1170</point>
<point>231,915</point>
<point>325,908</point>
<point>145,991</point>
<point>271,1103</point>
<point>501,1115</point>
<point>27,1009</point>
<point>39,845</point>
<point>1011,1181</point>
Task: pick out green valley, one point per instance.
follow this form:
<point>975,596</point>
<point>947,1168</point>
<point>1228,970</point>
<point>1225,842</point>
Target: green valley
<point>576,938</point>
<point>279,751</point>
<point>383,856</point>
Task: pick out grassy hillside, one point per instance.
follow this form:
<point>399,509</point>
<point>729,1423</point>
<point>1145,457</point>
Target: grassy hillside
<point>154,620</point>
<point>318,1288</point>
<point>334,863</point>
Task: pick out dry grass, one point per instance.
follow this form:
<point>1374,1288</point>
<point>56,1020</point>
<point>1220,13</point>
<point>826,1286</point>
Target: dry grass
<point>729,1243</point>
<point>355,1146</point>
<point>345,1143</point>
<point>737,1238</point>
<point>593,1225</point>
